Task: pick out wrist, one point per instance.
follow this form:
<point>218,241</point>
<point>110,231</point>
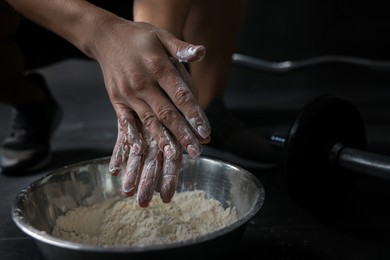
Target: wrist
<point>93,29</point>
<point>103,27</point>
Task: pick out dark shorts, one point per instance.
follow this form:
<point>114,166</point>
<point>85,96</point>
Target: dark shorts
<point>43,48</point>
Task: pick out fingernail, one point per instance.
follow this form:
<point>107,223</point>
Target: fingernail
<point>203,131</point>
<point>128,190</point>
<point>142,202</point>
<point>166,200</point>
<point>198,52</point>
<point>169,151</point>
<point>167,194</point>
<point>193,150</point>
<point>113,170</point>
<point>191,53</point>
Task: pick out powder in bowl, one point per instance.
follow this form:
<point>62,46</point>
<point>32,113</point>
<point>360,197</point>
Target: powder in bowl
<point>122,222</point>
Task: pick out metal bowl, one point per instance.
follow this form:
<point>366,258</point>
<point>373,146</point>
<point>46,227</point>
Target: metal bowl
<point>38,205</point>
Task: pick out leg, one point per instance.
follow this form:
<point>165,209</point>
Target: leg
<point>15,88</point>
<point>35,112</point>
<point>216,25</point>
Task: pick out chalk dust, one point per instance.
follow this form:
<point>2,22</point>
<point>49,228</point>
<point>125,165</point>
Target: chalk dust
<point>122,222</point>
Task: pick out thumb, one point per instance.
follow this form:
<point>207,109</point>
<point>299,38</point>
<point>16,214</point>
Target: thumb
<point>183,51</point>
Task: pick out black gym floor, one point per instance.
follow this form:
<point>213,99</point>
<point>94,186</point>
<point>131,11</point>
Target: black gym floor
<point>268,102</point>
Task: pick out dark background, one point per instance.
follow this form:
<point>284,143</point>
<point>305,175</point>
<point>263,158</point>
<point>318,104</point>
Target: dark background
<point>268,101</point>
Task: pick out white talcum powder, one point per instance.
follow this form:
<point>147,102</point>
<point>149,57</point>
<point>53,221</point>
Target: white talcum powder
<point>122,222</point>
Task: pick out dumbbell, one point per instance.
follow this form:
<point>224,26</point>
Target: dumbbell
<point>324,154</point>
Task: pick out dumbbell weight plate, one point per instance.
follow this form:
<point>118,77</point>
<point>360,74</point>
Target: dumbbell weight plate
<point>315,182</point>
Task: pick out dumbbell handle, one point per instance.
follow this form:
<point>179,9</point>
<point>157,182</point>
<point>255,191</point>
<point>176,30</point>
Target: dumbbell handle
<point>369,163</point>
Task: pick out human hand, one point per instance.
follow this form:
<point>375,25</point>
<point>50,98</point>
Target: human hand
<point>142,81</point>
<point>149,89</point>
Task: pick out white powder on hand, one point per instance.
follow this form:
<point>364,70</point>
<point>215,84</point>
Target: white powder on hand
<point>122,222</point>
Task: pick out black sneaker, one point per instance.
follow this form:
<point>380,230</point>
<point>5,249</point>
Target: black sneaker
<point>27,148</point>
<point>233,141</point>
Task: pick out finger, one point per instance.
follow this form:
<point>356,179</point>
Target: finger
<point>175,127</point>
<point>165,124</point>
<point>179,92</point>
<point>132,175</point>
<point>185,75</point>
<point>190,53</point>
<point>151,172</point>
<point>183,51</point>
<point>197,120</point>
<point>156,130</point>
<point>119,153</point>
<point>170,175</point>
<point>129,139</point>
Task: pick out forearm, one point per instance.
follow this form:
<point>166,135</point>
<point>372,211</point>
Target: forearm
<point>77,21</point>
